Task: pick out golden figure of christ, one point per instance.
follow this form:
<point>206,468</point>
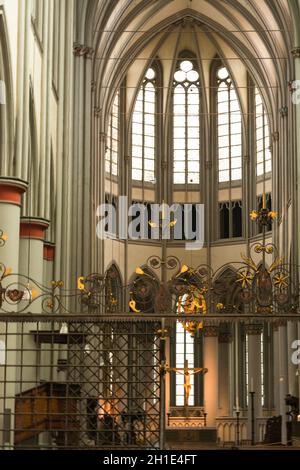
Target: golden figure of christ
<point>187,372</point>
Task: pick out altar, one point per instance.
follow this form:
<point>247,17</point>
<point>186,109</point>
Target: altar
<point>186,417</point>
<point>188,424</point>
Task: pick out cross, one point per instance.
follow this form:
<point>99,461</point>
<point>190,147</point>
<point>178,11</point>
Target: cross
<point>187,372</point>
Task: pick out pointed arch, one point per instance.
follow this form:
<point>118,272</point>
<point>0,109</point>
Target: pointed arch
<point>186,120</point>
<point>113,289</point>
<point>262,136</point>
<point>229,127</point>
<point>227,290</point>
<point>144,126</point>
<point>113,138</point>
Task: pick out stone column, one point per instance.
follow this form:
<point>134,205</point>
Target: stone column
<point>32,249</point>
<point>31,266</point>
<point>211,377</point>
<point>60,350</point>
<point>11,190</point>
<point>298,366</point>
<point>296,54</point>
<point>292,335</point>
<point>276,367</point>
<point>283,378</point>
<point>225,341</point>
<point>48,254</point>
<point>254,331</point>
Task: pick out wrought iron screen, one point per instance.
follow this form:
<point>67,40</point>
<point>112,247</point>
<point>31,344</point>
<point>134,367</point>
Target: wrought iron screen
<point>79,384</point>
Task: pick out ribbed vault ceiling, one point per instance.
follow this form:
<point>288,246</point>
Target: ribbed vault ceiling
<point>258,32</point>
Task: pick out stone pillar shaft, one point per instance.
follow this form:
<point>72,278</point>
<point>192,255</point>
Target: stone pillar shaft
<point>48,254</point>
<point>253,332</point>
<point>211,378</point>
<point>11,190</point>
<point>31,265</point>
<point>292,335</point>
<point>276,368</point>
<point>283,379</point>
<point>225,343</point>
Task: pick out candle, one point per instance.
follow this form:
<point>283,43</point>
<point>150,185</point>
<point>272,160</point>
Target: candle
<point>237,404</point>
<point>251,385</point>
<point>264,201</point>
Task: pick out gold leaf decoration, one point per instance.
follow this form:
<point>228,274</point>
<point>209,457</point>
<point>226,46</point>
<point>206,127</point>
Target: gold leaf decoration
<point>245,278</point>
<point>139,271</point>
<point>253,215</point>
<point>280,280</point>
<point>249,261</point>
<point>275,264</point>
<point>132,305</point>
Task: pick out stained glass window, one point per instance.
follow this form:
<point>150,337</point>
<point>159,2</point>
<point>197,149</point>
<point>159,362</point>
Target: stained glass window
<point>112,146</point>
<point>143,130</point>
<point>229,129</point>
<point>186,124</point>
<point>262,137</point>
<point>184,352</point>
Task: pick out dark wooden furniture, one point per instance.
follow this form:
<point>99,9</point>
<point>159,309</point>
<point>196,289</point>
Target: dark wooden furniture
<point>51,406</point>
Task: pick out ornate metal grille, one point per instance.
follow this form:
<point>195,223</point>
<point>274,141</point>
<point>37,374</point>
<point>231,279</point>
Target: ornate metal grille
<point>79,384</point>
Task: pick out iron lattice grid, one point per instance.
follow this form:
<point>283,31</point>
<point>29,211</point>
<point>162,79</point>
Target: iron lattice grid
<point>80,384</point>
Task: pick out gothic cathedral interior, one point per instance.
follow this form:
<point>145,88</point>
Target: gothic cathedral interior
<point>149,224</point>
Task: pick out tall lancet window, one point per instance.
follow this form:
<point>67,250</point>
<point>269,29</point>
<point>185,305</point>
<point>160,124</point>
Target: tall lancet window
<point>184,356</point>
<point>186,124</point>
<point>229,128</point>
<point>112,142</point>
<point>262,137</point>
<point>143,130</point>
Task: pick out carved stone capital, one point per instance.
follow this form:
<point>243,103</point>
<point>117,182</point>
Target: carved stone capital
<point>275,136</point>
<point>80,50</point>
<point>102,137</point>
<point>278,323</point>
<point>295,52</point>
<point>254,328</point>
<point>211,330</point>
<point>97,111</point>
<point>283,111</point>
<point>225,337</point>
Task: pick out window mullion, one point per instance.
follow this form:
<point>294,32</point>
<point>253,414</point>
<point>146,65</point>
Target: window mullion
<point>263,142</point>
<point>143,135</point>
<point>230,163</point>
<point>110,142</point>
<point>186,135</point>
